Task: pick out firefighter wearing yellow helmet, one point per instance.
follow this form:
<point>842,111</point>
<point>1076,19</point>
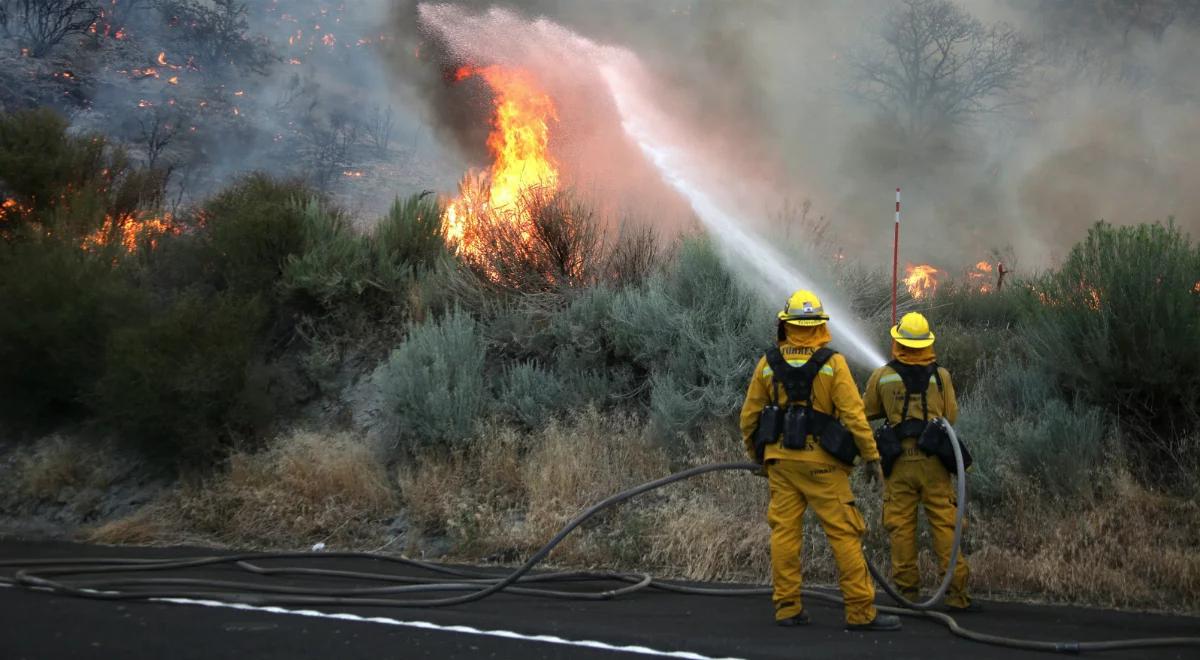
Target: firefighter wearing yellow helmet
<point>908,392</point>
<point>803,421</point>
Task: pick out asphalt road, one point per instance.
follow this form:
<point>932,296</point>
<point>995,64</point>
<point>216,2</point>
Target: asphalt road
<point>40,625</point>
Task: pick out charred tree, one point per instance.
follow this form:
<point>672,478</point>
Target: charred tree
<point>40,25</point>
<point>378,128</point>
<point>216,33</point>
<point>328,142</point>
<point>934,66</point>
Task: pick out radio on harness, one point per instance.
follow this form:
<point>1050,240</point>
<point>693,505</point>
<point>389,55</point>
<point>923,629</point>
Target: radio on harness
<point>800,420</point>
<point>932,439</point>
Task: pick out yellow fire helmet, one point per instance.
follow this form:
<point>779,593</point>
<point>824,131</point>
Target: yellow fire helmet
<point>913,331</point>
<point>803,308</point>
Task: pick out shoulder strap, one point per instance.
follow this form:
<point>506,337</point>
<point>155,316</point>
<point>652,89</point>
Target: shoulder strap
<point>797,381</point>
<point>916,381</point>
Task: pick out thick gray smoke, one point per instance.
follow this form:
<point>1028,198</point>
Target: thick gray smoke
<point>1104,125</point>
<point>355,96</point>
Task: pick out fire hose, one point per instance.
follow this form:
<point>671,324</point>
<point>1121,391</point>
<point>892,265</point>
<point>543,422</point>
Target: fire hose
<point>120,578</point>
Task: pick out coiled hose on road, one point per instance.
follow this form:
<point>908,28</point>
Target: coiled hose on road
<point>120,578</point>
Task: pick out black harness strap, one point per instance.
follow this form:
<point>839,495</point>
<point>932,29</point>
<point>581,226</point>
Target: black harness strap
<point>916,381</point>
<point>797,381</point>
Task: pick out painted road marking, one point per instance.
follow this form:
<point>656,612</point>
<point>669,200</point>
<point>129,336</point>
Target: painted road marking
<point>427,625</point>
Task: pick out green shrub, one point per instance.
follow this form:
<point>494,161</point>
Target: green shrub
<point>963,303</point>
<point>334,266</point>
<point>60,304</point>
<point>1118,327</point>
<point>531,394</point>
<point>967,350</point>
<point>696,333</point>
<point>252,227</point>
<point>1019,428</point>
<point>173,383</point>
<point>409,236</point>
<point>431,387</point>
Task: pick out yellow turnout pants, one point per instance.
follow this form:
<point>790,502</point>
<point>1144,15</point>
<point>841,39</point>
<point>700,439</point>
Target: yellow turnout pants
<point>918,479</point>
<point>796,485</point>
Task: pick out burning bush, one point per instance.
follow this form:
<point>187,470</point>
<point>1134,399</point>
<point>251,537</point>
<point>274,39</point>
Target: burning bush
<point>1117,327</point>
<point>72,188</point>
<point>546,241</point>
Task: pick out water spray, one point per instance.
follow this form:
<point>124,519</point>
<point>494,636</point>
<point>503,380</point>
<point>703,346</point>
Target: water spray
<point>775,277</point>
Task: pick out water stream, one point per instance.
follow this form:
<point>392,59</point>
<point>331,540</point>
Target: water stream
<point>770,271</point>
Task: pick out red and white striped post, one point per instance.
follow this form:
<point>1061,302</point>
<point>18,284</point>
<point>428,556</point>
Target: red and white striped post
<point>895,256</point>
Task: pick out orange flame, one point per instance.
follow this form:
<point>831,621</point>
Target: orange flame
<point>130,229</point>
<point>981,276</point>
<point>11,206</point>
<point>519,142</point>
<point>921,279</point>
<point>162,58</point>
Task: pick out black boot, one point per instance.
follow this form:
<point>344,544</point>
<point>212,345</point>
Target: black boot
<point>881,622</point>
<point>971,608</point>
<point>801,619</point>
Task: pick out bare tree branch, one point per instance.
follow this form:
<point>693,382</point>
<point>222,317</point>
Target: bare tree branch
<point>43,24</point>
<point>935,64</point>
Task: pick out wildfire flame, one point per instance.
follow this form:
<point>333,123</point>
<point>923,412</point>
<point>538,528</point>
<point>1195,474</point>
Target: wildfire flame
<point>130,229</point>
<point>11,207</point>
<point>921,279</point>
<point>980,276</point>
<point>519,142</point>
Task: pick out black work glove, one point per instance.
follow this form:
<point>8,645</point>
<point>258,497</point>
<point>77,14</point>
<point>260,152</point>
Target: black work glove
<point>874,472</point>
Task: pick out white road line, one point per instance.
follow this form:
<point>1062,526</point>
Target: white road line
<point>427,625</point>
<point>466,630</point>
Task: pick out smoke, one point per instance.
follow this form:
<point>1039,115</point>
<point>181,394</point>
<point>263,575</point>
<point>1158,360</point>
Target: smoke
<point>1106,127</point>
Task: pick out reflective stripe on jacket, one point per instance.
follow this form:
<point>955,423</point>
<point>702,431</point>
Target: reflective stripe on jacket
<point>885,397</point>
<point>834,393</point>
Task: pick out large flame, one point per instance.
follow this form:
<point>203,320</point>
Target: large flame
<point>519,142</point>
<point>921,279</point>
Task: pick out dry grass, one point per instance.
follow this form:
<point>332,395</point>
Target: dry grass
<point>1130,549</point>
<point>147,526</point>
<point>305,488</point>
<point>506,493</point>
<point>56,463</point>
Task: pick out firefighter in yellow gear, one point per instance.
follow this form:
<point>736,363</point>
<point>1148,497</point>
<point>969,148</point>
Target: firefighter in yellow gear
<point>917,479</point>
<point>809,476</point>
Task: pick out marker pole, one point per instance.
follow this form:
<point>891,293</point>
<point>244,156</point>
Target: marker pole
<point>895,256</point>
